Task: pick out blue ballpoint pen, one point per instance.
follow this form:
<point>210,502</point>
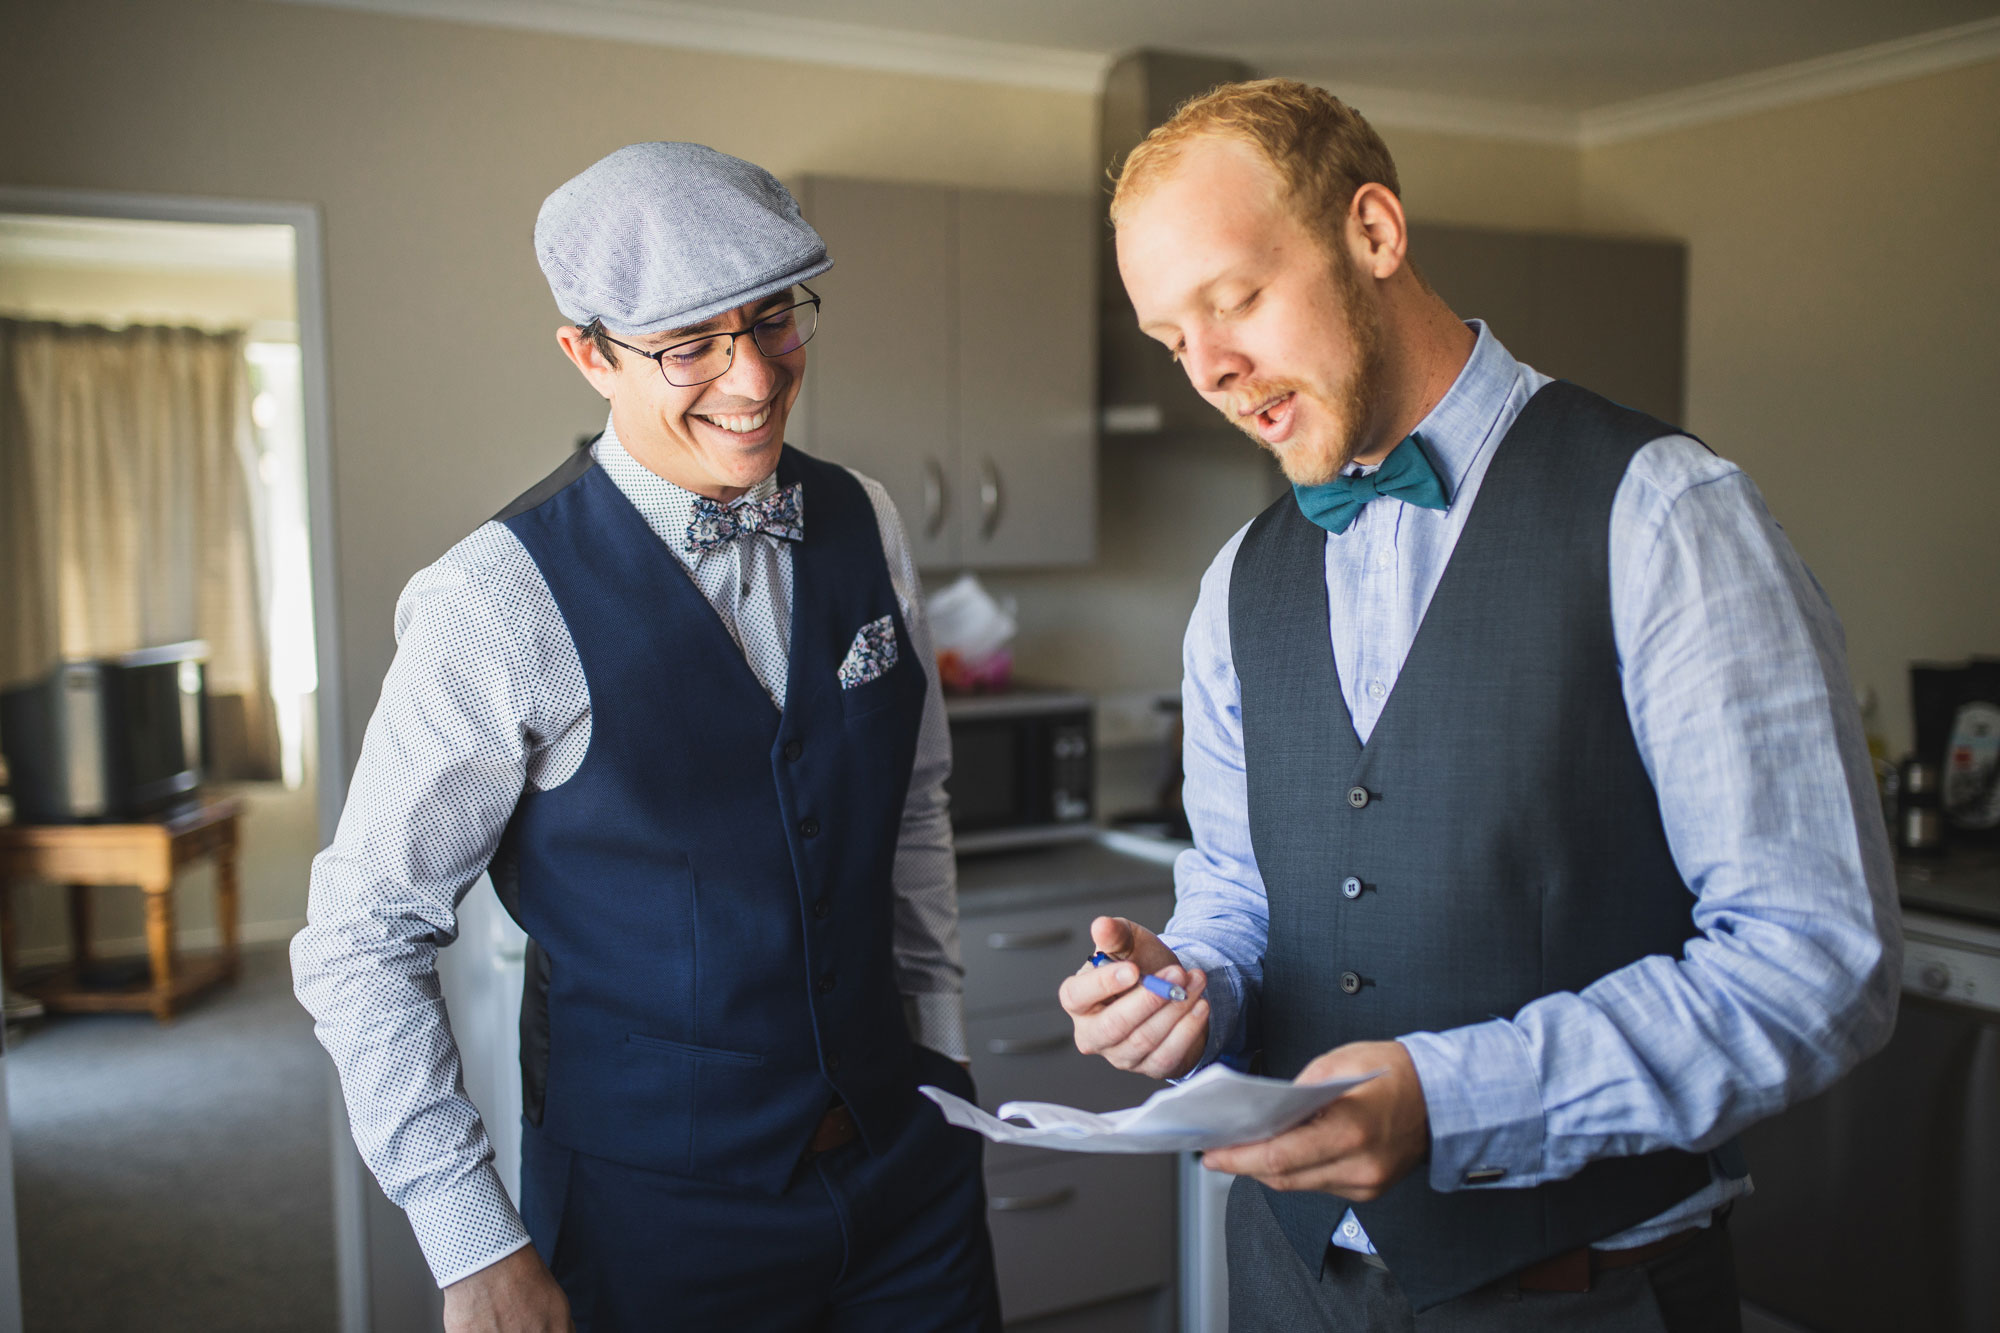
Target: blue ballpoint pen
<point>1161,987</point>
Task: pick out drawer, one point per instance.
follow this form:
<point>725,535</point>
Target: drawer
<point>1080,1229</point>
<point>1016,959</point>
<point>1032,1056</point>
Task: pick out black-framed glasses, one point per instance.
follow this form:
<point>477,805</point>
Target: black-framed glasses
<point>699,360</point>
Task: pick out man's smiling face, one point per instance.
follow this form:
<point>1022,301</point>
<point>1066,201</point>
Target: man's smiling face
<point>716,439</point>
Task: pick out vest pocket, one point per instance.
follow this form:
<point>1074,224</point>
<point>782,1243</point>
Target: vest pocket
<point>646,1042</point>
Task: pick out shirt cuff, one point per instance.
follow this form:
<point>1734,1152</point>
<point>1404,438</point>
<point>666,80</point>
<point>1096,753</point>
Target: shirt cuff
<point>1227,1004</point>
<point>1485,1106</point>
<point>472,1225</point>
<point>937,1020</point>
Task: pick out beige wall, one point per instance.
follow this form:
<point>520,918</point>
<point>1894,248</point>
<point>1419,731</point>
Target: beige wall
<point>1821,331</point>
<point>429,147</point>
<point>1844,320</point>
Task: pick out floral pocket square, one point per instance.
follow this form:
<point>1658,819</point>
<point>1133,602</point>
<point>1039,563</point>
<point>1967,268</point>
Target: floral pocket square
<point>873,653</point>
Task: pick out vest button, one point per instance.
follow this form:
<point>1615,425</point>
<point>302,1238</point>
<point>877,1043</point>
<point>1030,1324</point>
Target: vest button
<point>1350,983</point>
<point>832,1063</point>
<point>1350,887</point>
<point>822,909</point>
<point>1357,797</point>
<point>825,986</point>
<point>793,749</point>
<point>809,827</point>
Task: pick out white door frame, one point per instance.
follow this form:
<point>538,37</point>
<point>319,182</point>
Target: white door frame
<point>349,1222</point>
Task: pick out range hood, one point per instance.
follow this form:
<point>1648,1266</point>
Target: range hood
<point>1140,389</point>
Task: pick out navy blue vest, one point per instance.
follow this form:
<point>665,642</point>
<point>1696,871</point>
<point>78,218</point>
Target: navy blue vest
<point>709,896</point>
<point>1496,840</point>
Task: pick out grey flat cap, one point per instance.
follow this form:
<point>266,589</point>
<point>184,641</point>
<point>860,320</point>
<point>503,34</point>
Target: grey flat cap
<point>664,235</point>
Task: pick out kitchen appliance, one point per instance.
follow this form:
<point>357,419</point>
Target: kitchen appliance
<point>107,738</point>
<point>1878,1202</point>
<point>1023,769</point>
<point>1956,707</point>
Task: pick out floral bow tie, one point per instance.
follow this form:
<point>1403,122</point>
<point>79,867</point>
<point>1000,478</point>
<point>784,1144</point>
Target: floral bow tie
<point>780,515</point>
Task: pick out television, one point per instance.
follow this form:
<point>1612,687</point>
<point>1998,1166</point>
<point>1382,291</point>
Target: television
<point>108,738</point>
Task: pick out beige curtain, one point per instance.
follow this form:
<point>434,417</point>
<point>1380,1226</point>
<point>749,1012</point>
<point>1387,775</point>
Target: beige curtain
<point>130,519</point>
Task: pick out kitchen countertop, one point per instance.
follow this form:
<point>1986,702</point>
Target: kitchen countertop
<point>1036,877</point>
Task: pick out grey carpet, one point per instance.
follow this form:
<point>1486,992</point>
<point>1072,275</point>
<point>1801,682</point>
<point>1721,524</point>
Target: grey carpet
<point>176,1178</point>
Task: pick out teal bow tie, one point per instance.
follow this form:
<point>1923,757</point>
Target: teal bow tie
<point>1406,475</point>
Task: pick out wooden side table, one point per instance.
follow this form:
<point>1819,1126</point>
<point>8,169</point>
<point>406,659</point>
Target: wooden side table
<point>146,855</point>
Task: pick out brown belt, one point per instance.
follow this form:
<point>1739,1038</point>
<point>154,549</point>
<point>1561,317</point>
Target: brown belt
<point>1571,1270</point>
<point>836,1130</point>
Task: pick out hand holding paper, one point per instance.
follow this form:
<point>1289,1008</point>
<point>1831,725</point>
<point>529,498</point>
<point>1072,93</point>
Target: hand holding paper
<point>1214,1109</point>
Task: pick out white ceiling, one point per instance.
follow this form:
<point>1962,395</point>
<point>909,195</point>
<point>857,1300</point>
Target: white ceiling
<point>1565,71</point>
<point>1559,55</point>
<point>46,241</point>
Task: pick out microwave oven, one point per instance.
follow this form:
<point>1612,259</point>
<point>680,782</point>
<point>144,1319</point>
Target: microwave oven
<point>1022,769</point>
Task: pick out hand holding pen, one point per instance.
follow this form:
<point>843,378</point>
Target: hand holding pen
<point>1160,986</point>
<point>1133,1003</point>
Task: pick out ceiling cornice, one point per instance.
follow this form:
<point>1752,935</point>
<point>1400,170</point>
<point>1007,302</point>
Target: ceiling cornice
<point>1788,85</point>
<point>737,32</point>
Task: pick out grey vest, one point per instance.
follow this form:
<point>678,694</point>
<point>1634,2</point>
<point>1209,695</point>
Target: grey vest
<point>1496,840</point>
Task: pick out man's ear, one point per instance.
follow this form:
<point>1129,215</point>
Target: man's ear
<point>1378,235</point>
<point>582,351</point>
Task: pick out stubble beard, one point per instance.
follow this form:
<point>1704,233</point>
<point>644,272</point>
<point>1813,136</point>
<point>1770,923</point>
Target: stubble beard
<point>1348,408</point>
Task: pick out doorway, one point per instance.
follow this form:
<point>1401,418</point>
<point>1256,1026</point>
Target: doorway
<point>183,1169</point>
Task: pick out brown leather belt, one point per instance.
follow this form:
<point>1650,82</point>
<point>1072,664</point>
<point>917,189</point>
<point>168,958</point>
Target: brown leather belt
<point>836,1130</point>
<point>1571,1270</point>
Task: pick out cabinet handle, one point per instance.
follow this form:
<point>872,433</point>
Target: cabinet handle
<point>1028,939</point>
<point>934,497</point>
<point>989,498</point>
<point>1025,1203</point>
<point>1028,1045</point>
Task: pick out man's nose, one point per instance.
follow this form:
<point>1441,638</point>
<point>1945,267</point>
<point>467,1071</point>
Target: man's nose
<point>751,374</point>
<point>1212,364</point>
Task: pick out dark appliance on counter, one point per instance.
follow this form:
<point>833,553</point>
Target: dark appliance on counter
<point>108,738</point>
<point>1956,707</point>
<point>1022,769</point>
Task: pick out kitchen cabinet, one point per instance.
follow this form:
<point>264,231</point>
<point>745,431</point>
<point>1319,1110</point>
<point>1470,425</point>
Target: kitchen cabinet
<point>1069,1229</point>
<point>1606,312</point>
<point>955,363</point>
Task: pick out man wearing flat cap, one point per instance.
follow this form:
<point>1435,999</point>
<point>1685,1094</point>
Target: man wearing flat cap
<point>680,699</point>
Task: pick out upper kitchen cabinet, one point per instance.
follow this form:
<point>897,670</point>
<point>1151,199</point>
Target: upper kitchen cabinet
<point>956,364</point>
<point>1608,313</point>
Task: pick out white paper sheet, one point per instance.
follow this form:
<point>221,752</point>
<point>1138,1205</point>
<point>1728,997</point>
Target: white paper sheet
<point>1217,1108</point>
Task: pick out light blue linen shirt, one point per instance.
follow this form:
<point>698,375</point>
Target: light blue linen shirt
<point>1735,680</point>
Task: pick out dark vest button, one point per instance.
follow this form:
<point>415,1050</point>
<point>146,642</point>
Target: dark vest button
<point>1350,887</point>
<point>809,827</point>
<point>832,1063</point>
<point>793,749</point>
<point>826,984</point>
<point>822,909</point>
<point>1350,983</point>
<point>1357,797</point>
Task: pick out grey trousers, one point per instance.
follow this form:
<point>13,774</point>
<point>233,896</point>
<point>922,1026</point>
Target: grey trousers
<point>1688,1290</point>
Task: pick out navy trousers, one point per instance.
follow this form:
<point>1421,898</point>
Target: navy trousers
<point>856,1242</point>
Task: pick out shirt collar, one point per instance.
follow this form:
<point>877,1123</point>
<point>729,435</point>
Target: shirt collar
<point>1455,431</point>
<point>667,508</point>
